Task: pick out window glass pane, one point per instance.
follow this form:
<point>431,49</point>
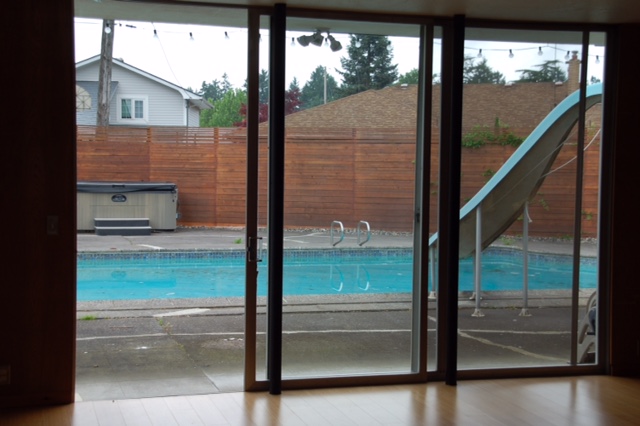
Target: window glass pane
<point>139,109</point>
<point>126,108</point>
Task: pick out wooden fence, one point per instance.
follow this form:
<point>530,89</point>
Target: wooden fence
<point>330,174</point>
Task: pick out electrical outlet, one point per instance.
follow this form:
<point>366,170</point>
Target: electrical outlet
<point>5,374</point>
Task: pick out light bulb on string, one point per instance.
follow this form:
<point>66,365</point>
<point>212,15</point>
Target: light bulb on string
<point>107,28</point>
<point>479,53</point>
<point>539,51</point>
<point>226,35</point>
<point>511,55</point>
<point>567,55</point>
<point>191,36</point>
<point>597,59</point>
<point>155,33</point>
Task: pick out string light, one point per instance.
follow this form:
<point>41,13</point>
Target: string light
<point>479,53</point>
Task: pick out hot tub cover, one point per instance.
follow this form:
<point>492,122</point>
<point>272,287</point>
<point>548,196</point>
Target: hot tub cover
<point>121,187</point>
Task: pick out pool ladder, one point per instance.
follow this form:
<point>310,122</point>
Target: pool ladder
<point>337,226</point>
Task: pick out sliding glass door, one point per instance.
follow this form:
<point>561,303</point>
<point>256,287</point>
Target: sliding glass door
<point>530,162</point>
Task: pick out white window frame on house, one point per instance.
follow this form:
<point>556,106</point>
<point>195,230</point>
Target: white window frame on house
<point>137,116</point>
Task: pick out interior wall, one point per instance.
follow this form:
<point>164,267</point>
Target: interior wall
<point>37,305</point>
<point>625,292</point>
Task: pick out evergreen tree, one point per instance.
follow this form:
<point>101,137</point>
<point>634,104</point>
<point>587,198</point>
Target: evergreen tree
<point>549,71</point>
<point>292,98</point>
<point>215,90</point>
<point>480,73</point>
<point>313,91</point>
<point>263,86</point>
<point>368,65</point>
<point>225,85</point>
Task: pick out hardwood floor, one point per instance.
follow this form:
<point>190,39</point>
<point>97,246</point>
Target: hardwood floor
<point>587,400</point>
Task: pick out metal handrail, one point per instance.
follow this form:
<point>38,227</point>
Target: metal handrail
<point>336,222</point>
<point>368,232</point>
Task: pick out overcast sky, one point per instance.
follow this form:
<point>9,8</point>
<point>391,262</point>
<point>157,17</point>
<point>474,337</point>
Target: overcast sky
<point>187,55</point>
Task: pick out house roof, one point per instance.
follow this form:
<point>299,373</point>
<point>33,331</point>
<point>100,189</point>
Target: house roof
<point>520,105</point>
<point>390,107</point>
<point>193,98</point>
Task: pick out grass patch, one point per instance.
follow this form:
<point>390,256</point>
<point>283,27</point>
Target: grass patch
<point>89,318</point>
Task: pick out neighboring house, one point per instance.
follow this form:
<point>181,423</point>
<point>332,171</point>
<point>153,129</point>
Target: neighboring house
<point>137,98</point>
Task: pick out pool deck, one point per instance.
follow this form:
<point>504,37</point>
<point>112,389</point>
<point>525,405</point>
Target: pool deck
<point>228,239</point>
<point>133,349</point>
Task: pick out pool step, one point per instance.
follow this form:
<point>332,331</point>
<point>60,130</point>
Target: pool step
<point>122,226</point>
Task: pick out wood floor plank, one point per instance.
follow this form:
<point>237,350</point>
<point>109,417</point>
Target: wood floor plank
<point>108,413</point>
<point>158,412</point>
<point>584,401</point>
<point>207,411</point>
<point>134,413</point>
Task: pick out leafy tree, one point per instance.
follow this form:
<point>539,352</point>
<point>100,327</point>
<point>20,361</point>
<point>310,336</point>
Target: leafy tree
<point>368,65</point>
<point>410,77</point>
<point>480,73</point>
<point>226,111</point>
<point>549,71</point>
<point>313,90</point>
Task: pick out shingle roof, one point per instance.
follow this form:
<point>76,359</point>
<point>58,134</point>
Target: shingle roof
<point>386,108</point>
<point>521,105</point>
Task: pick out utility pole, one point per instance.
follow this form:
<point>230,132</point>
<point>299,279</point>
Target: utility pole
<point>104,76</point>
<point>325,85</point>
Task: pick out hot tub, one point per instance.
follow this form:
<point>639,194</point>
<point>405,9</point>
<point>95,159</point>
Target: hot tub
<point>156,201</point>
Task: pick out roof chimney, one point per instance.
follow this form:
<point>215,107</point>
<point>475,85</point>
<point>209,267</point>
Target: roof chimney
<point>573,81</point>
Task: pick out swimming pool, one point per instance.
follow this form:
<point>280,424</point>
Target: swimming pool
<point>178,275</point>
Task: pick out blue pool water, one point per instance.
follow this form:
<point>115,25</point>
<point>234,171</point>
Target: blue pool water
<point>215,274</point>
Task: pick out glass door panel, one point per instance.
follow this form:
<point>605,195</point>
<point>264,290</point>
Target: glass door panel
<point>168,316</point>
<point>349,198</point>
<point>527,252</point>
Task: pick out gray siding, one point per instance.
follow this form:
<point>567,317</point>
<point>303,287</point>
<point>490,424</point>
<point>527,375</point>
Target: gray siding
<point>165,106</point>
<point>194,117</point>
<point>89,117</point>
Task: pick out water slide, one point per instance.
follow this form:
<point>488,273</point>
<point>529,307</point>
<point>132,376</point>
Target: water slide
<point>503,197</point>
